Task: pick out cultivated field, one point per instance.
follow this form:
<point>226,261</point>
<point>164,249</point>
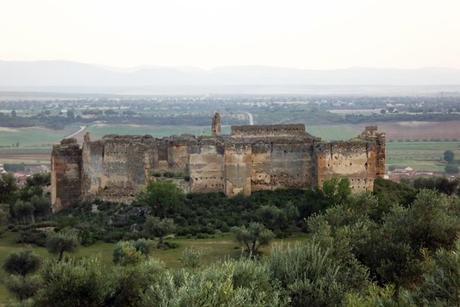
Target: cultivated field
<point>34,137</point>
<point>334,132</point>
<point>413,131</point>
<point>448,130</point>
<point>421,156</point>
<point>29,157</point>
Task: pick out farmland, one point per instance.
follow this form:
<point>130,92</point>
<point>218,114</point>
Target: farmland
<point>421,156</point>
<point>33,137</point>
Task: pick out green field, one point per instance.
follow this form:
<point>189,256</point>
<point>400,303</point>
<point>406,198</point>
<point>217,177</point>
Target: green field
<point>422,156</point>
<point>34,137</point>
<point>214,249</point>
<point>334,132</point>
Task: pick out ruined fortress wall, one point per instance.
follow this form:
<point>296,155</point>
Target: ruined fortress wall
<point>253,158</point>
<point>238,164</point>
<point>93,178</point>
<point>206,166</point>
<point>65,174</point>
<point>118,162</point>
<point>115,169</point>
<point>281,165</point>
<point>354,160</point>
<point>178,156</point>
<point>380,143</point>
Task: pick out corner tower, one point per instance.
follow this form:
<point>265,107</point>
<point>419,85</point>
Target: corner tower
<point>65,174</point>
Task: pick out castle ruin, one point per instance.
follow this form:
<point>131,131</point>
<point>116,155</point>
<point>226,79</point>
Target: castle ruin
<point>252,158</point>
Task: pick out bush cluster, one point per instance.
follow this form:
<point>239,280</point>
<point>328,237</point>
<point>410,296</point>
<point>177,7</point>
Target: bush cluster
<point>396,247</point>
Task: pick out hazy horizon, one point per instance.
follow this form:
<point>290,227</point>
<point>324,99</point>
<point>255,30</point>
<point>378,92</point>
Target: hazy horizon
<point>331,34</point>
<point>188,67</point>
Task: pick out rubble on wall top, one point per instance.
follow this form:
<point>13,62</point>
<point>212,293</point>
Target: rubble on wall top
<point>69,141</point>
<point>371,132</point>
<point>126,137</point>
<point>258,130</point>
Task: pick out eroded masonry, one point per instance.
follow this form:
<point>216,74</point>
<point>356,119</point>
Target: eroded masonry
<point>251,158</point>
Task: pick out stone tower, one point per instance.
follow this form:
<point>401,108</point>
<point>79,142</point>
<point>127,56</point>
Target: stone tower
<point>66,160</point>
<point>216,125</point>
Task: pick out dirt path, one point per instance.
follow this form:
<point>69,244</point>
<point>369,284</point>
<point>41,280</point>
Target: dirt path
<point>82,128</point>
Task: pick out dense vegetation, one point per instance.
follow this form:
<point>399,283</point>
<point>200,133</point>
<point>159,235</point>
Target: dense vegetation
<point>194,215</point>
<point>397,246</point>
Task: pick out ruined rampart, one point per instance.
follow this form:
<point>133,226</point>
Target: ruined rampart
<point>252,158</point>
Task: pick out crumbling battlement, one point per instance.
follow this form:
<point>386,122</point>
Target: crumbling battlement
<point>252,158</point>
<point>268,130</point>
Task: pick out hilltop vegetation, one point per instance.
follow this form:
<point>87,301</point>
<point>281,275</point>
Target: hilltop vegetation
<point>396,246</point>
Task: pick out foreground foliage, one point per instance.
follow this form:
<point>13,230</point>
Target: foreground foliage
<point>398,246</point>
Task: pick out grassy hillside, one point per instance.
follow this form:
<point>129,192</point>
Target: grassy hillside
<point>214,249</point>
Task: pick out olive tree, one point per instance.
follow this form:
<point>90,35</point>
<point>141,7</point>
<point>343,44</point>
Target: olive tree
<point>20,265</point>
<point>7,187</point>
<point>252,237</point>
<point>162,196</point>
<point>159,228</point>
<point>449,156</point>
<point>58,243</point>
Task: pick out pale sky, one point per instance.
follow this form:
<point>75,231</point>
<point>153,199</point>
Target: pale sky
<point>317,34</point>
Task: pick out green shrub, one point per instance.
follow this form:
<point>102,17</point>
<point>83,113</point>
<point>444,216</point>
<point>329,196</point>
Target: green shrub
<point>224,284</point>
<point>130,283</point>
<point>32,236</point>
<point>159,228</point>
<point>131,252</point>
<point>113,236</point>
<point>79,283</point>
<point>441,281</point>
<point>22,263</point>
<point>191,258</point>
<point>309,274</point>
<point>23,287</point>
<point>125,253</point>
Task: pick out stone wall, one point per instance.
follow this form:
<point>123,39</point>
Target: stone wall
<point>252,158</point>
<point>353,159</point>
<point>278,165</point>
<point>66,159</point>
<point>237,169</point>
<point>206,166</point>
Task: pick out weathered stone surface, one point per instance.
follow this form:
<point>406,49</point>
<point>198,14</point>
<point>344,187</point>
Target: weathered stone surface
<point>252,158</point>
<point>66,160</point>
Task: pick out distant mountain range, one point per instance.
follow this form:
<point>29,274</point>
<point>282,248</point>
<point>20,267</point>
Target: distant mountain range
<point>68,76</point>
